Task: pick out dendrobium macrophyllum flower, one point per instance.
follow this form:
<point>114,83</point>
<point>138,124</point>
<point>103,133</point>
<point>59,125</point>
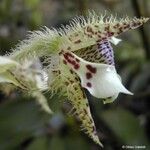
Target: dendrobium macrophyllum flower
<point>29,76</point>
<point>75,57</point>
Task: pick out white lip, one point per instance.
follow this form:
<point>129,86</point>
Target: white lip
<point>104,83</point>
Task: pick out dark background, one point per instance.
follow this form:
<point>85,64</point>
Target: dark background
<point>24,126</point>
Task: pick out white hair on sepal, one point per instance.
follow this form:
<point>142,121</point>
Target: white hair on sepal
<point>35,41</point>
<point>46,41</point>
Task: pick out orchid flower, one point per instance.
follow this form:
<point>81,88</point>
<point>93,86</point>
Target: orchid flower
<point>76,56</point>
<point>28,76</point>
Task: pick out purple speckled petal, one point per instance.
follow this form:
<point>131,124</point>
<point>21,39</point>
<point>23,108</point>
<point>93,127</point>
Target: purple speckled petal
<point>106,51</point>
<point>101,52</point>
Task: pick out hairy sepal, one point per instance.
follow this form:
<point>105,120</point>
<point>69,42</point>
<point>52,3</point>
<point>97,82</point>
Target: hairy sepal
<point>83,32</point>
<point>7,64</point>
<point>38,43</point>
<point>42,101</point>
<point>79,102</point>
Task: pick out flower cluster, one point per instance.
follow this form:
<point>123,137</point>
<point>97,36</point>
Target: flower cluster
<point>69,59</point>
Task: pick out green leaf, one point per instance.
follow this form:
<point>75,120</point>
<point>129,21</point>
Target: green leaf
<point>39,143</point>
<point>126,126</point>
<point>57,143</point>
<point>68,143</point>
<point>19,120</point>
<point>32,3</point>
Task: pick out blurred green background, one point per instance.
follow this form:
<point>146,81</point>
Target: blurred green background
<point>24,126</point>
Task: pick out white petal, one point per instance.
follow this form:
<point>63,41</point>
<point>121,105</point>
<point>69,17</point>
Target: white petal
<point>115,40</point>
<point>104,83</point>
<point>6,63</point>
<point>101,80</point>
